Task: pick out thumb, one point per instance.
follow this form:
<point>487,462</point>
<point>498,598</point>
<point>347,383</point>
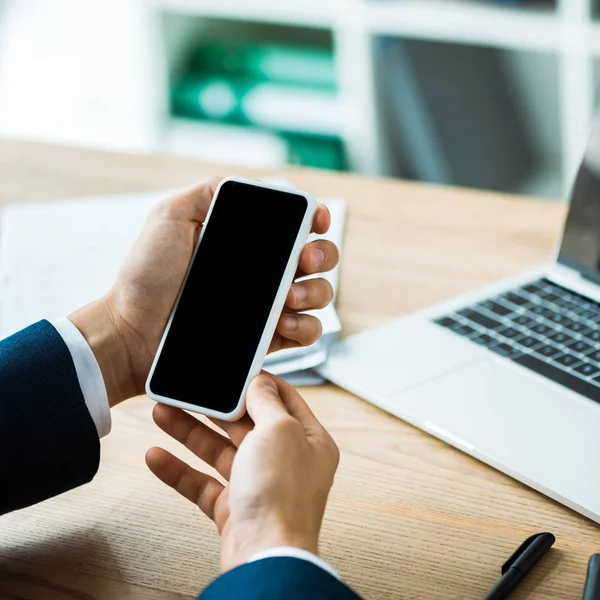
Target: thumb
<point>263,401</point>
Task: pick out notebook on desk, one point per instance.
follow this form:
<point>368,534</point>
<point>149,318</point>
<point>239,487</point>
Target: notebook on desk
<point>56,256</point>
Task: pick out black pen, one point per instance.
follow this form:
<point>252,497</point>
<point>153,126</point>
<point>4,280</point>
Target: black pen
<point>592,582</point>
<point>517,567</point>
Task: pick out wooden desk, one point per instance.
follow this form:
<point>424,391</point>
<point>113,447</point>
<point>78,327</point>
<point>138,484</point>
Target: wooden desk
<point>409,517</point>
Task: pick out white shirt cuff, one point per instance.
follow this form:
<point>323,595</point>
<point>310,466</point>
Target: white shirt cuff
<point>290,552</point>
<point>89,375</point>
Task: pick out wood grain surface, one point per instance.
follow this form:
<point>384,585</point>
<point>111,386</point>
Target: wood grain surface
<point>409,517</point>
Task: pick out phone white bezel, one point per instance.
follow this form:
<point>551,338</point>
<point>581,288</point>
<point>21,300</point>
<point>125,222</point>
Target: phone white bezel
<point>276,309</point>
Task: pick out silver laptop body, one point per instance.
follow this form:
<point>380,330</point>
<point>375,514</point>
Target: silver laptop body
<point>509,373</point>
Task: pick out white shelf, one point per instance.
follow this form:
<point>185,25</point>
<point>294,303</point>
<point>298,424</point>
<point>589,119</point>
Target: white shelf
<point>461,21</point>
<point>593,38</point>
<point>465,22</point>
<point>226,144</point>
<point>309,13</point>
<point>128,82</point>
<point>564,30</point>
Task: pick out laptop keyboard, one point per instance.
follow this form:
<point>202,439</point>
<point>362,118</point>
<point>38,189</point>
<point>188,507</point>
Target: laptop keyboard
<point>541,326</point>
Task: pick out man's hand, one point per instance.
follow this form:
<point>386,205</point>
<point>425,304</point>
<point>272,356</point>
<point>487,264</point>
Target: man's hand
<point>279,470</point>
<point>125,327</point>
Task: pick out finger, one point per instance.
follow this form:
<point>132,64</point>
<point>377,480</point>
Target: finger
<point>303,329</point>
<point>236,430</point>
<point>263,402</point>
<point>297,407</point>
<point>309,295</point>
<point>207,444</point>
<point>222,511</point>
<point>192,204</point>
<point>319,256</point>
<point>199,488</point>
<point>321,220</point>
<point>281,343</point>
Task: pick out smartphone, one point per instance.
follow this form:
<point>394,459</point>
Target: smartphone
<point>231,299</point>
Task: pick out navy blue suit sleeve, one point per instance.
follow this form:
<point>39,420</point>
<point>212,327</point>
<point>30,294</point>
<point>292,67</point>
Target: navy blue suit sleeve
<point>278,579</point>
<point>48,440</point>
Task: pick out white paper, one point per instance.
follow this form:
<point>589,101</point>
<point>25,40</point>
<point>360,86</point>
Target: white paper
<point>316,356</point>
<point>304,378</point>
<point>58,256</point>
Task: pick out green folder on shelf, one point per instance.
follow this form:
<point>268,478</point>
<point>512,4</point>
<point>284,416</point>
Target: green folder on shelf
<point>323,152</point>
<point>289,91</point>
<point>297,65</point>
<point>265,104</point>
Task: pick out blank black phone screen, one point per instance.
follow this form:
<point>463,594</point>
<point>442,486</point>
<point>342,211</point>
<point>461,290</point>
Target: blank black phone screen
<point>228,296</point>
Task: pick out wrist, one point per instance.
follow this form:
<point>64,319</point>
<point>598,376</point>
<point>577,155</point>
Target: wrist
<point>247,544</point>
<point>99,327</point>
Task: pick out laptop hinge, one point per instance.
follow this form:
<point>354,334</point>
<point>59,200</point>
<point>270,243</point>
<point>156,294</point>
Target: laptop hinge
<point>574,280</point>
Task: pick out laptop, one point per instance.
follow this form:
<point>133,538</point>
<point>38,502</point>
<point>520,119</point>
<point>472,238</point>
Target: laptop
<point>509,373</point>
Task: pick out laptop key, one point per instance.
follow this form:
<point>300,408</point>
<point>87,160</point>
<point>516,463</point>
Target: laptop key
<point>565,304</point>
<point>532,288</point>
<point>560,337</point>
<point>525,321</point>
<point>447,322</point>
<point>504,350</point>
<point>576,327</point>
<point>592,334</point>
<point>549,370</point>
<point>528,341</point>
<point>551,297</point>
<point>587,370</point>
<point>548,351</point>
<point>542,329</point>
<point>567,360</point>
<point>514,299</point>
<point>587,314</point>
<point>484,340</point>
<point>561,319</point>
<point>480,319</point>
<point>509,332</point>
<point>595,356</point>
<point>495,308</point>
<point>583,305</point>
<point>562,301</point>
<point>580,346</point>
<point>501,349</point>
<point>464,330</point>
<point>548,313</point>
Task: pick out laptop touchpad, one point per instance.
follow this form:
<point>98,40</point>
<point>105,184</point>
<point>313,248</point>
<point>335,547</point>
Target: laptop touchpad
<point>519,422</point>
<point>398,355</point>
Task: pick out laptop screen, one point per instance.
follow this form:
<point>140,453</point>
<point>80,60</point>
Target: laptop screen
<point>580,247</point>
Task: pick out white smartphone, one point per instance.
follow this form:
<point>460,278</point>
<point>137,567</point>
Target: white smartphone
<point>231,299</point>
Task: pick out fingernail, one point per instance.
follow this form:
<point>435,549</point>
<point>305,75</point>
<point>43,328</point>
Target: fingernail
<point>317,257</point>
<point>300,293</point>
<point>290,322</point>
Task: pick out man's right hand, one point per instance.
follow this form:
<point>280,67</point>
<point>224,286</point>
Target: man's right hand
<point>279,461</point>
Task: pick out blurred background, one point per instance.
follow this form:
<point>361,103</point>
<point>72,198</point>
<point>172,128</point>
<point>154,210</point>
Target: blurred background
<point>483,93</point>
